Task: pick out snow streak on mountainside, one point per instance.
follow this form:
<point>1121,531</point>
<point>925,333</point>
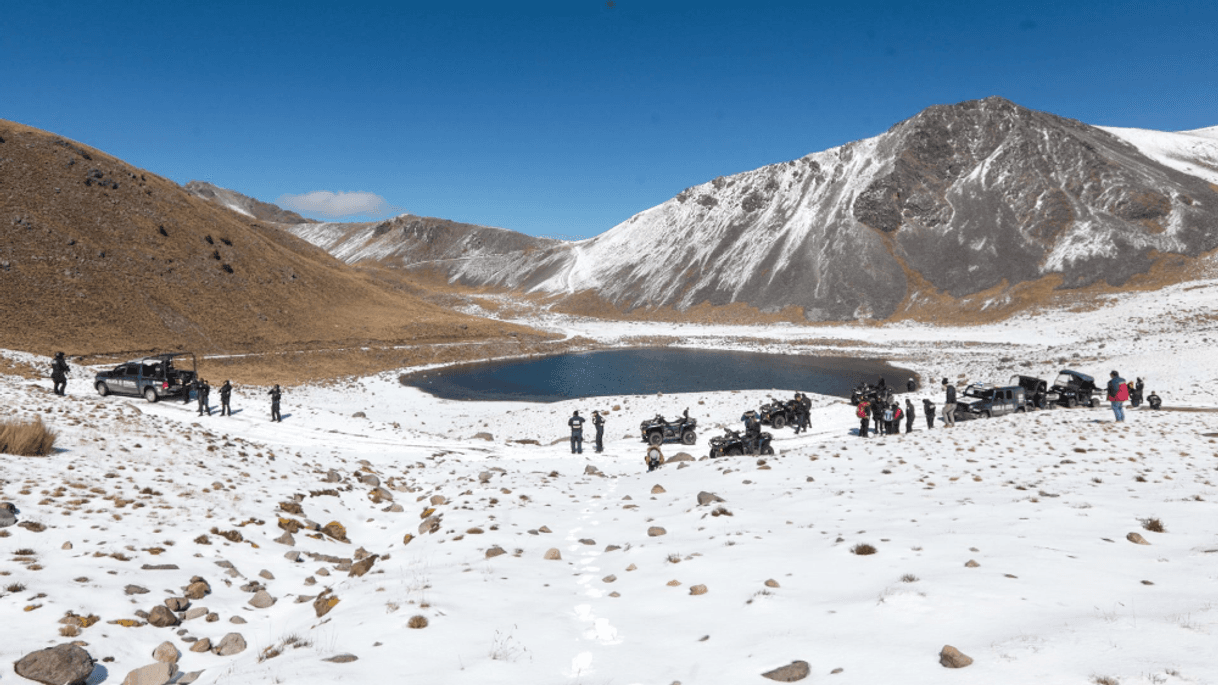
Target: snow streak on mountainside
<point>243,204</point>
<point>1193,152</point>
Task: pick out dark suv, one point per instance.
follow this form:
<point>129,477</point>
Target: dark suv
<point>1072,389</point>
<point>152,377</point>
<point>983,400</point>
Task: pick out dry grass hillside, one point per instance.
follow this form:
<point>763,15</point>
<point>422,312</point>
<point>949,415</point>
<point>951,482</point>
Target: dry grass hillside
<point>98,257</point>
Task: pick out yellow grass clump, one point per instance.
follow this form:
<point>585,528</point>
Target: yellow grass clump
<point>26,438</point>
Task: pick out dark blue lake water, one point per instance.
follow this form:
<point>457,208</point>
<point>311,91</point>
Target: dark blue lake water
<point>647,371</point>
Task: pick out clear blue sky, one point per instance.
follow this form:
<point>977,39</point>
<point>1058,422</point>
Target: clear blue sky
<point>565,118</point>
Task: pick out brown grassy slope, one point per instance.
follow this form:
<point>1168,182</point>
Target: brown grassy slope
<point>99,256</point>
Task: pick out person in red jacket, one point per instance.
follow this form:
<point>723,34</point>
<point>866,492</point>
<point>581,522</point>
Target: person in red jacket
<point>1118,393</point>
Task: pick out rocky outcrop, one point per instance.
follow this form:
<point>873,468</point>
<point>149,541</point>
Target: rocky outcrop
<point>65,664</point>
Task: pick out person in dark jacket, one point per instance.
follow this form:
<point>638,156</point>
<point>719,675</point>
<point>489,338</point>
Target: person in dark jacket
<point>910,385</point>
<point>929,408</point>
<point>576,422</point>
<point>204,393</point>
<point>1118,393</point>
<point>192,385</point>
<point>910,415</point>
<point>949,404</point>
<point>752,431</point>
<point>275,394</point>
<point>226,394</point>
<point>877,415</point>
<point>1154,400</point>
<point>59,374</point>
<point>1135,393</point>
<point>599,422</point>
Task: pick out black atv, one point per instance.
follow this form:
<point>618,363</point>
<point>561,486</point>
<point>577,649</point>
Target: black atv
<point>1072,389</point>
<point>732,444</point>
<point>871,393</point>
<point>777,414</point>
<point>659,430</point>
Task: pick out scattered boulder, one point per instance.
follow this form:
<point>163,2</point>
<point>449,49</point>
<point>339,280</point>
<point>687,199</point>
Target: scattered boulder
<point>429,525</point>
<point>1137,539</point>
<point>359,415</point>
<point>772,583</point>
<point>262,600</point>
<point>705,497</point>
<point>332,476</point>
<point>324,603</point>
<point>681,456</point>
<point>656,531</point>
<point>135,590</point>
<point>342,658</point>
<point>65,664</point>
<point>495,552</point>
<point>483,436</point>
<point>658,489</point>
<point>162,617</point>
<point>152,674</point>
<point>609,578</point>
<point>230,644</point>
<point>697,589</point>
<point>195,612</point>
<point>198,589</point>
<point>553,554</point>
<point>792,672</point>
<point>950,657</point>
<point>236,620</point>
<point>437,500</point>
<point>286,539</point>
<point>166,653</point>
<point>201,645</point>
<point>971,564</point>
<point>484,477</point>
<point>177,603</point>
<point>335,530</point>
<point>379,494</point>
<point>363,566</point>
<point>266,575</point>
<point>591,470</point>
<point>189,678</point>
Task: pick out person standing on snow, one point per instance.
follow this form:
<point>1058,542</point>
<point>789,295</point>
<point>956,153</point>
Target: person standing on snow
<point>910,385</point>
<point>599,422</point>
<point>576,422</point>
<point>59,374</point>
<point>929,408</point>
<point>275,394</point>
<point>863,412</point>
<point>226,394</point>
<point>204,392</point>
<point>752,431</point>
<point>949,404</point>
<point>910,415</point>
<point>1118,393</point>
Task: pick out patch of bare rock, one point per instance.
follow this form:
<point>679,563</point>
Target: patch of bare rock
<point>792,672</point>
<point>65,664</point>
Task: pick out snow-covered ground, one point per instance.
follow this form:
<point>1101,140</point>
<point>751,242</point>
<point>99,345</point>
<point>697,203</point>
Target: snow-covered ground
<point>1042,503</point>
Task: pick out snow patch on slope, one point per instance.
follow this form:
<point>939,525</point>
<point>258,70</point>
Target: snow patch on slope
<point>1193,152</point>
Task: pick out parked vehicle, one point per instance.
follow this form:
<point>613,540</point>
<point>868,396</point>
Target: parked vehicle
<point>1036,389</point>
<point>1072,389</point>
<point>659,430</point>
<point>152,378</point>
<point>777,413</point>
<point>871,393</point>
<point>982,400</point>
<point>732,444</point>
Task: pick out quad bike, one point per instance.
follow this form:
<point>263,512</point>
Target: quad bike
<point>733,444</point>
<point>659,430</point>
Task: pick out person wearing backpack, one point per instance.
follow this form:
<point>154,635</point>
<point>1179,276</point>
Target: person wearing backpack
<point>929,407</point>
<point>864,413</point>
<point>888,416</point>
<point>949,404</point>
<point>1118,393</point>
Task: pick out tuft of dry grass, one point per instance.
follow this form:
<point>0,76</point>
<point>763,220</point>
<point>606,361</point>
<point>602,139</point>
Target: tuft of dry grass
<point>1153,525</point>
<point>26,438</point>
<point>862,549</point>
<point>909,578</point>
<point>417,622</point>
<point>1104,680</point>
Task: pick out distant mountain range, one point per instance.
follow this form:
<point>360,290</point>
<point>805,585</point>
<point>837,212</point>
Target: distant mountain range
<point>984,203</point>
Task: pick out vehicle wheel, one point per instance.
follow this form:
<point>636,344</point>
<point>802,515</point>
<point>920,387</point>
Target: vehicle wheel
<point>1020,410</point>
<point>987,414</point>
<point>1095,402</point>
<point>767,450</point>
<point>102,389</point>
<point>1071,403</point>
<point>778,421</point>
<point>734,451</point>
<point>655,438</point>
<point>150,394</point>
<point>689,438</point>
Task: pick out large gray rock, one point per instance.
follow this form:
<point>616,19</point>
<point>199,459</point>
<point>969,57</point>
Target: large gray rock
<point>262,600</point>
<point>64,664</point>
<point>152,674</point>
<point>162,617</point>
<point>950,657</point>
<point>796,670</point>
<point>166,653</point>
<point>230,644</point>
<point>705,497</point>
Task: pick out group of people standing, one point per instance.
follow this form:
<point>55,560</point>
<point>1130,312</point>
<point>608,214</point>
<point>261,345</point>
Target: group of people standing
<point>886,416</point>
<point>576,423</point>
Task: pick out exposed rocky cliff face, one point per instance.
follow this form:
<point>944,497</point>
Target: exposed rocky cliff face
<point>243,204</point>
<point>981,196</point>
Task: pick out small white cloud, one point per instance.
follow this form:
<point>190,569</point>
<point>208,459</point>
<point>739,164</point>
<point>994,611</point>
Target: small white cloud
<point>337,204</point>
